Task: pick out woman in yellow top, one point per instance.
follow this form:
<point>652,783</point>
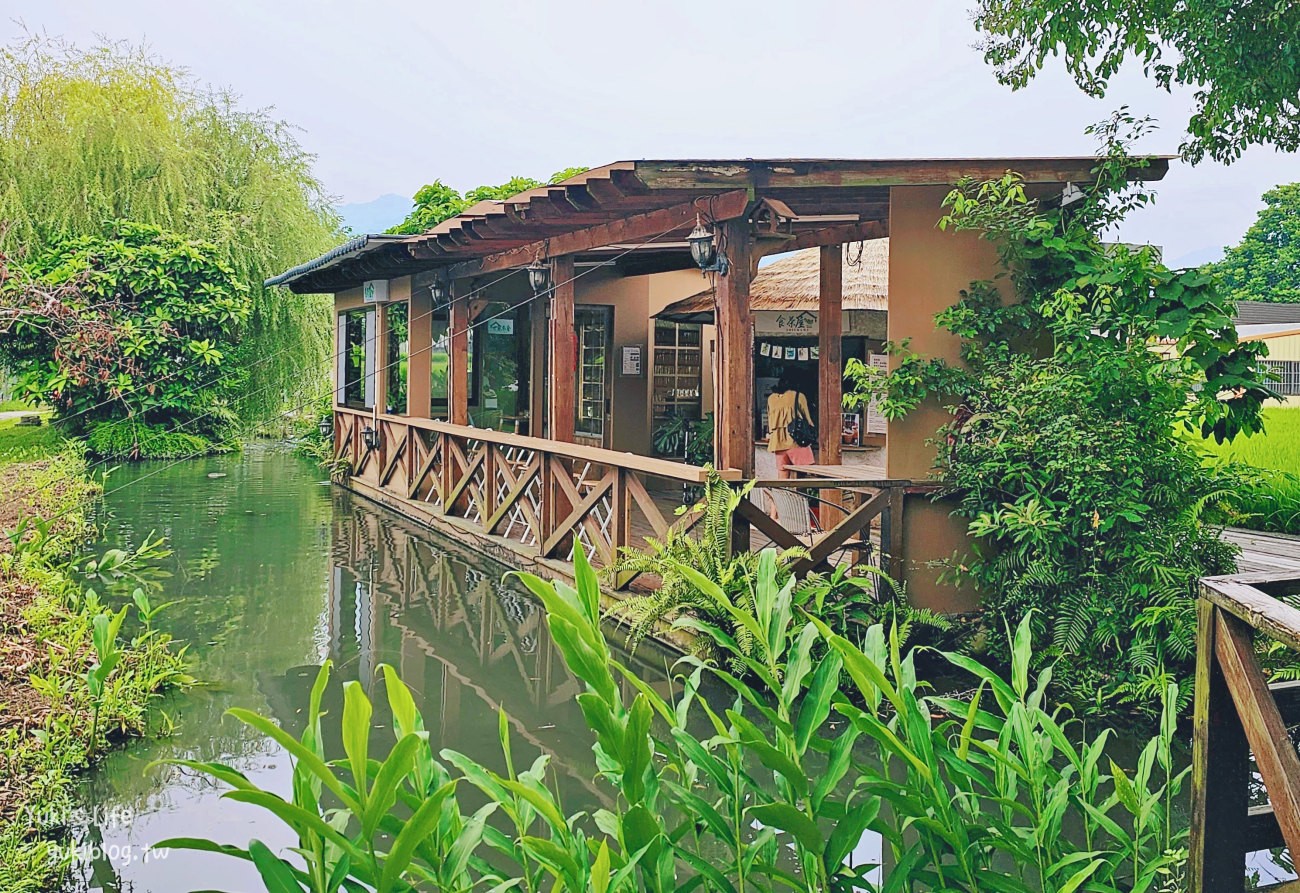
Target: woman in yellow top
<point>783,404</point>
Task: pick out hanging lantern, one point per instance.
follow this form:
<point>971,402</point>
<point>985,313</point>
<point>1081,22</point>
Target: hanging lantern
<point>370,437</point>
<point>539,275</point>
<point>326,426</point>
<point>703,249</point>
<point>1071,194</point>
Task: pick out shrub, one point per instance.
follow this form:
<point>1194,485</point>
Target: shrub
<point>130,439</point>
<point>1086,510</point>
<point>137,322</point>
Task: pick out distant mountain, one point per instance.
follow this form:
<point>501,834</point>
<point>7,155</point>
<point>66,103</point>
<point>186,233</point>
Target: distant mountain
<point>376,215</point>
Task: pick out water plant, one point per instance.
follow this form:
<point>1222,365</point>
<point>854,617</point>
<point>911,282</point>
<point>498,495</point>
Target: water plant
<point>734,783</point>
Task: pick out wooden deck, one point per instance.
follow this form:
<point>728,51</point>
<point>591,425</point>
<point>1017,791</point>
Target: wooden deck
<point>1265,552</point>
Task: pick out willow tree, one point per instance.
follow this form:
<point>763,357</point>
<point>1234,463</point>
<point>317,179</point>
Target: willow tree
<point>108,133</point>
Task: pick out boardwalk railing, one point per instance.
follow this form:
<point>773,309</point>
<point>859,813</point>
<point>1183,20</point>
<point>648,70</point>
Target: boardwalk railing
<point>538,498</point>
<point>1237,713</point>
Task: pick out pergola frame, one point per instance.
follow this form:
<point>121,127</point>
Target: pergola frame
<point>644,209</point>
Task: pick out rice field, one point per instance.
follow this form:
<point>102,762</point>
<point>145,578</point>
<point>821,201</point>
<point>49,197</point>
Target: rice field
<point>1273,504</point>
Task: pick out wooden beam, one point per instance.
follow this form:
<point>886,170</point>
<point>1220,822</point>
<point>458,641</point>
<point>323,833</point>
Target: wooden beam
<point>1276,619</point>
<point>733,409</point>
<point>563,344</point>
<point>1275,755</point>
<point>831,235</point>
<point>820,173</point>
<point>458,371</point>
<point>635,228</point>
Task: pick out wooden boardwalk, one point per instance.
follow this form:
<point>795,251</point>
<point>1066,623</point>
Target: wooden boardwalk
<point>1265,552</point>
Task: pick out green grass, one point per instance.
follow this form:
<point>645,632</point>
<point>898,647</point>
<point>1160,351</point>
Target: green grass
<point>1273,502</point>
<point>24,443</point>
<point>14,405</point>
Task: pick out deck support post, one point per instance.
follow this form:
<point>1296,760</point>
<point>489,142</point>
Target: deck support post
<point>830,369</point>
<point>561,414</point>
<point>458,371</point>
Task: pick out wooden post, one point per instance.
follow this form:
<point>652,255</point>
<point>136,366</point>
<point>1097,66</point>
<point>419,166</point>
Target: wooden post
<point>561,414</point>
<point>537,380</point>
<point>458,371</point>
<point>733,388</point>
<point>418,383</point>
<point>618,510</point>
<point>830,370</point>
<point>830,362</point>
<point>1220,773</point>
<point>733,396</point>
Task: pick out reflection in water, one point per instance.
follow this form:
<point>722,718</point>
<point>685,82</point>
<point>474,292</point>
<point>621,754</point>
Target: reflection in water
<point>274,572</point>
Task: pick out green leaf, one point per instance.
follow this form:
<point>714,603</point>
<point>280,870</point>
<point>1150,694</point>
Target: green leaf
<point>275,872</point>
<point>792,821</point>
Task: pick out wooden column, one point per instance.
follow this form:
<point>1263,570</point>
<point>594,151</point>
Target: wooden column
<point>830,362</point>
<point>458,370</point>
<point>733,396</point>
<point>537,379</point>
<point>561,412</point>
<point>830,371</point>
<point>420,324</point>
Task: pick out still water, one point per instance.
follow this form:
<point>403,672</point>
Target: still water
<point>274,572</point>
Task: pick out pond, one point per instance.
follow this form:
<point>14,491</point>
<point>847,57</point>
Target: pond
<point>275,571</point>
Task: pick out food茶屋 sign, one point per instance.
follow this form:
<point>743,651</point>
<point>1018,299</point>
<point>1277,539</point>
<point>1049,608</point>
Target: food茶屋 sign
<point>803,323</point>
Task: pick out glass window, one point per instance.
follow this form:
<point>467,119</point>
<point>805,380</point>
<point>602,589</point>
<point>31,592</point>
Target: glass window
<point>594,325</point>
<point>356,361</point>
<point>1288,376</point>
<point>503,342</point>
<point>397,356</point>
<point>439,361</point>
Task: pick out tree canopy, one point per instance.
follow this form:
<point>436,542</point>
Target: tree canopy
<point>137,324</point>
<point>1266,265</point>
<point>1241,59</point>
<point>89,136</point>
<point>436,201</point>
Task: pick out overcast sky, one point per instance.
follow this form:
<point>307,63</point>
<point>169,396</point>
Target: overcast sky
<point>392,95</point>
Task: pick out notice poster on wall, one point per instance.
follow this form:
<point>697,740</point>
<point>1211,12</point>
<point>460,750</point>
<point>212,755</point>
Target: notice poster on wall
<point>631,365</point>
<point>876,423</point>
<point>765,349</point>
<point>803,353</point>
<point>790,353</point>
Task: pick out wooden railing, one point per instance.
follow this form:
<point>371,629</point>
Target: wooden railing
<point>848,509</point>
<point>539,498</point>
<point>1237,714</point>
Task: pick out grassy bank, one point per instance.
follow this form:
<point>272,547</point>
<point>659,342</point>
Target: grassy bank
<point>68,683</point>
<point>1272,502</point>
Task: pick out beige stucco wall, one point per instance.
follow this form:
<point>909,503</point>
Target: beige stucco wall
<point>927,269</point>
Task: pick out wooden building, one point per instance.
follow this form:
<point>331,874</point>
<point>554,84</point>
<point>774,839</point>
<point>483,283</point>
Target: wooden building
<point>493,377</point>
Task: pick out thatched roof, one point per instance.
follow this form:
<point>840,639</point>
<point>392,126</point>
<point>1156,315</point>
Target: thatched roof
<point>792,283</point>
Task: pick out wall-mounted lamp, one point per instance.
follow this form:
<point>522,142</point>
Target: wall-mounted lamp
<point>438,290</point>
<point>1071,194</point>
<point>370,437</point>
<point>539,275</point>
<point>704,249</point>
<point>326,425</point>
